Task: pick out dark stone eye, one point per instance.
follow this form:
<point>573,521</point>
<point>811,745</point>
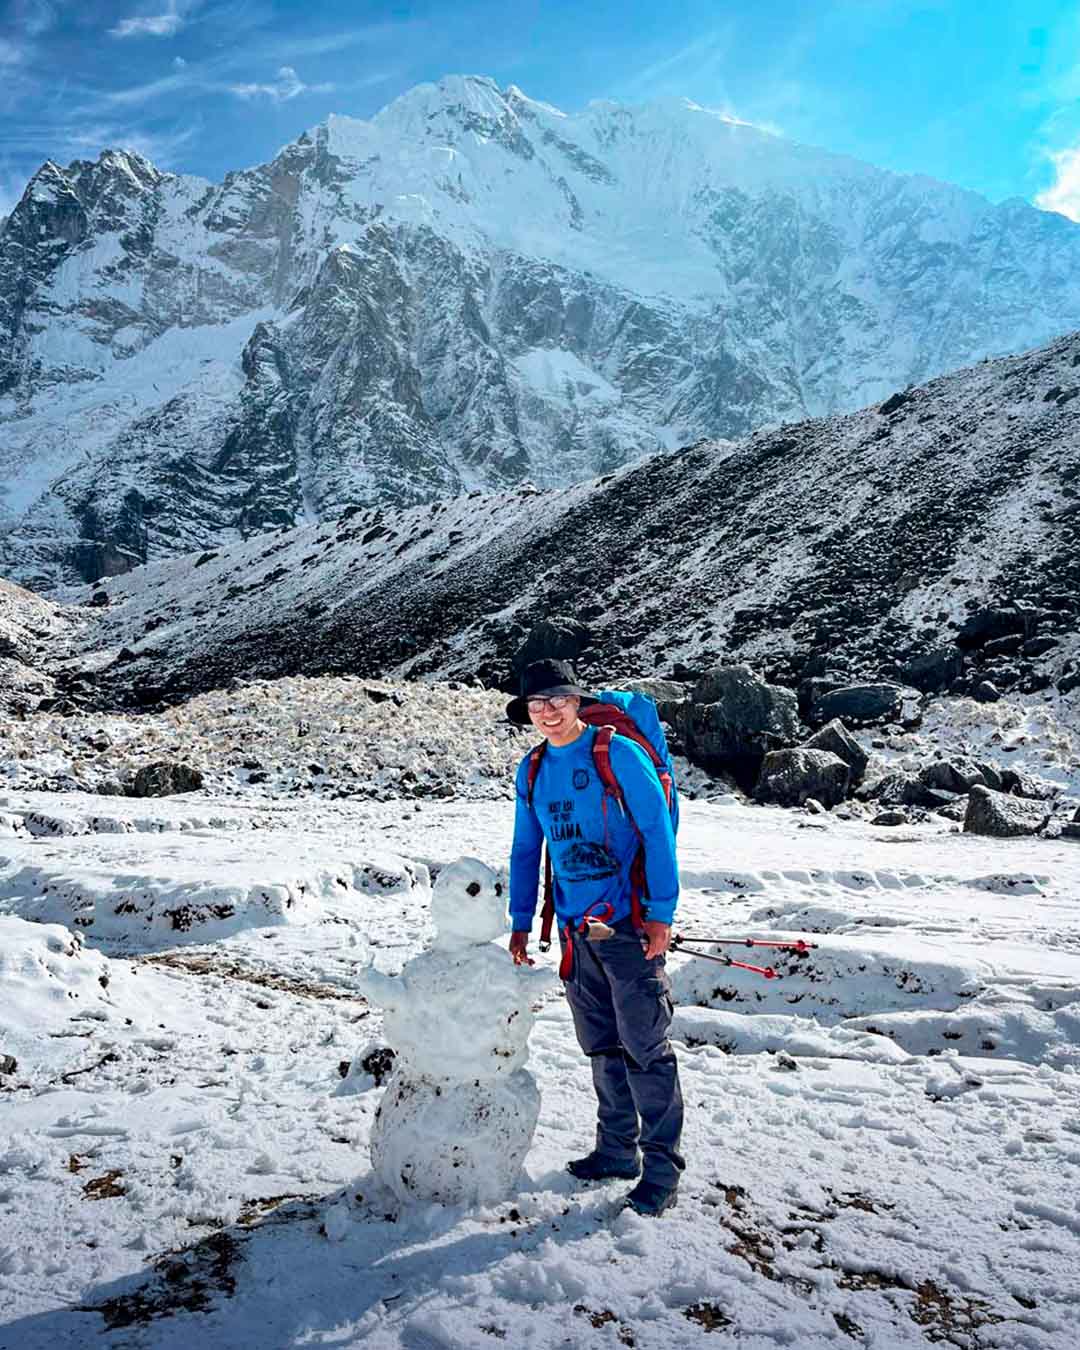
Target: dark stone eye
<point>498,888</point>
<point>473,888</point>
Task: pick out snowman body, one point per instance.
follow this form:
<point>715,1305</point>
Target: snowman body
<point>460,1108</point>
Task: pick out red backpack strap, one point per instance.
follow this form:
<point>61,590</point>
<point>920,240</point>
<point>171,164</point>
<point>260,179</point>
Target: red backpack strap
<point>601,751</point>
<point>614,719</point>
<point>547,912</point>
<point>536,758</point>
<point>606,774</point>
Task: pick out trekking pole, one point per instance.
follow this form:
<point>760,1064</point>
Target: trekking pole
<point>800,947</point>
<point>766,971</point>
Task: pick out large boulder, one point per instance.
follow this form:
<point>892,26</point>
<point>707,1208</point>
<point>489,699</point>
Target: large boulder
<point>903,789</point>
<point>1001,816</point>
<point>869,705</point>
<point>954,775</point>
<point>813,688</point>
<point>836,738</point>
<point>984,625</point>
<point>791,777</point>
<point>933,671</point>
<point>733,718</point>
<point>165,780</point>
<point>557,638</point>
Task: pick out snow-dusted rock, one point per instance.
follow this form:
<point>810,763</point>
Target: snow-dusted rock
<point>1003,816</point>
<point>165,780</point>
<point>868,705</point>
<point>791,777</point>
<point>732,715</point>
<point>835,738</point>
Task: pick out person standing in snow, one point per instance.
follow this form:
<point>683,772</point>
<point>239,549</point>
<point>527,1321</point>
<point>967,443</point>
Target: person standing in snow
<point>617,986</point>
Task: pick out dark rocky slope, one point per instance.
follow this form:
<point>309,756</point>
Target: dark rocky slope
<point>935,537</point>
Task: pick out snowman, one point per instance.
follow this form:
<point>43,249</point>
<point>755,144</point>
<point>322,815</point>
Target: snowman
<point>460,1108</point>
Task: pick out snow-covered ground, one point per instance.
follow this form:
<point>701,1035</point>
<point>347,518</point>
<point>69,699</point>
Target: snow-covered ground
<point>883,1144</point>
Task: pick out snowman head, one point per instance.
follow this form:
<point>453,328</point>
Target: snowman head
<point>468,904</point>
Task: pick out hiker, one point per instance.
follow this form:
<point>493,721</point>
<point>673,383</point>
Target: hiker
<point>610,836</point>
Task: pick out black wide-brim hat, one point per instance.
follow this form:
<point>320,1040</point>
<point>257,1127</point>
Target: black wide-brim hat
<point>541,679</point>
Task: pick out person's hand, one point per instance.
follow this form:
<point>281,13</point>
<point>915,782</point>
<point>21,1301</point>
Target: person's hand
<point>519,943</point>
<point>659,938</point>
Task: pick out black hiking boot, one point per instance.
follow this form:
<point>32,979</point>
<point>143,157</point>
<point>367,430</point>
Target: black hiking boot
<point>596,1168</point>
<point>651,1198</point>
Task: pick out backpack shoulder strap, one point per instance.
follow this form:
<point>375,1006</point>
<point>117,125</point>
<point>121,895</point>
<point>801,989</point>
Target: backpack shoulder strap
<point>602,759</point>
<point>536,756</point>
<point>606,774</point>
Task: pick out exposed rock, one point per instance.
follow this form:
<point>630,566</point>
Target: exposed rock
<point>1001,816</point>
<point>983,625</point>
<point>1069,678</point>
<point>985,692</point>
<point>165,780</point>
<point>955,775</point>
<point>836,738</point>
<point>900,789</point>
<point>955,810</point>
<point>991,775</point>
<point>558,638</point>
<point>8,1064</point>
<point>893,816</point>
<point>813,689</point>
<point>1004,646</point>
<point>792,777</point>
<point>869,705</point>
<point>934,671</point>
<point>732,718</point>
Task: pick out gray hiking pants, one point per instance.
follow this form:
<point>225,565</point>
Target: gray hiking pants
<point>622,1013</point>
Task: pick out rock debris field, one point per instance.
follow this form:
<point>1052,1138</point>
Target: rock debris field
<point>883,1142</point>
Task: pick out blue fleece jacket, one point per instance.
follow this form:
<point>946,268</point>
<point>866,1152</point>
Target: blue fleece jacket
<point>591,853</point>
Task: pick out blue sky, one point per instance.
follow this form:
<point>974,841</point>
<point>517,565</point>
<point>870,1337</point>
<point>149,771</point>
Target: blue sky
<point>984,93</point>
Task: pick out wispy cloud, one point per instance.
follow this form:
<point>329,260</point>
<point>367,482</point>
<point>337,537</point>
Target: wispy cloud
<point>1063,195</point>
<point>10,53</point>
<point>289,85</point>
<point>134,94</point>
<point>151,25</point>
<point>35,17</point>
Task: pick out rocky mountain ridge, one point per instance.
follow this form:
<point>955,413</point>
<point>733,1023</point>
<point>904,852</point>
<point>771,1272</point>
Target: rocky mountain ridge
<point>933,539</point>
<point>470,291</point>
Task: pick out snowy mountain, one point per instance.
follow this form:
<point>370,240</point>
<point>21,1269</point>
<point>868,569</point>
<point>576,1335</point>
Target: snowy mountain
<point>945,519</point>
<point>472,290</point>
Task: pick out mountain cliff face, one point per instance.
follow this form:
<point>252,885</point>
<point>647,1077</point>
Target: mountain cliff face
<point>934,538</point>
<point>472,290</point>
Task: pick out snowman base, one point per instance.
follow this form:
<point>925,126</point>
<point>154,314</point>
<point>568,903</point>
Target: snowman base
<point>454,1141</point>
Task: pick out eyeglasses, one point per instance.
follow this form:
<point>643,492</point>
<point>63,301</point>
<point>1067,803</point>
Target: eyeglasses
<point>556,701</point>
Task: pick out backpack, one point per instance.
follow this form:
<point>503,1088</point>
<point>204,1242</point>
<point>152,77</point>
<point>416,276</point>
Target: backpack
<point>634,716</point>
